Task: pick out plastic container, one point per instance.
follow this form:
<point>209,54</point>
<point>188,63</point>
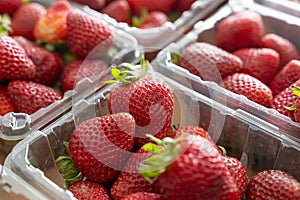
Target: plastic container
<point>205,31</point>
<point>257,144</point>
<point>289,6</point>
<point>157,38</point>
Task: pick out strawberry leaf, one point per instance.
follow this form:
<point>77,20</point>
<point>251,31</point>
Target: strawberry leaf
<point>5,24</point>
<point>291,108</point>
<point>150,147</point>
<point>296,90</point>
<point>175,58</point>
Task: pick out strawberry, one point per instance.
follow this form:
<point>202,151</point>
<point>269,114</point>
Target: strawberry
<point>94,4</point>
<point>209,62</point>
<point>48,64</point>
<point>9,6</point>
<point>99,146</point>
<point>284,99</point>
<point>15,64</point>
<point>250,87</point>
<point>238,172</point>
<point>143,196</point>
<point>28,97</point>
<point>183,5</point>
<point>286,49</point>
<point>194,130</point>
<point>5,103</point>
<point>285,77</point>
<point>189,168</point>
<point>242,29</point>
<point>273,184</point>
<point>155,5</point>
<point>148,99</point>
<point>130,180</point>
<point>76,70</point>
<point>86,33</point>
<point>25,18</point>
<point>261,63</point>
<point>119,10</point>
<point>85,190</point>
<point>154,19</point>
<point>52,27</point>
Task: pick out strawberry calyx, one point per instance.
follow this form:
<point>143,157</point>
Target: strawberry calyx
<point>68,169</point>
<point>137,21</point>
<point>128,73</point>
<point>165,152</point>
<point>296,91</point>
<point>5,22</point>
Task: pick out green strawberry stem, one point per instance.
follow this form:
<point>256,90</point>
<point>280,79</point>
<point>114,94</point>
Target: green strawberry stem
<point>137,21</point>
<point>223,150</point>
<point>128,73</point>
<point>5,24</point>
<point>175,58</point>
<point>296,91</point>
<point>164,154</point>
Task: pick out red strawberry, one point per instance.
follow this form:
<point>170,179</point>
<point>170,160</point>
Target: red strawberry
<point>48,64</point>
<point>85,190</point>
<point>209,62</point>
<point>9,6</point>
<point>28,97</point>
<point>52,27</point>
<point>119,10</point>
<point>239,173</point>
<point>243,29</point>
<point>15,64</point>
<point>143,196</point>
<point>100,146</point>
<point>261,63</point>
<point>130,180</point>
<point>25,18</point>
<point>86,33</point>
<point>155,5</point>
<point>190,168</point>
<point>148,99</point>
<point>194,130</point>
<point>76,70</point>
<point>154,19</point>
<point>94,4</point>
<point>297,110</point>
<point>250,87</point>
<point>284,99</point>
<point>183,5</point>
<point>285,77</point>
<point>5,103</point>
<point>273,184</point>
<point>287,50</point>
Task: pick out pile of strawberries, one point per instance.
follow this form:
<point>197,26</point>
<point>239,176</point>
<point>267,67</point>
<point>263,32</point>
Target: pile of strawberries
<point>247,61</point>
<point>42,51</point>
<point>140,13</point>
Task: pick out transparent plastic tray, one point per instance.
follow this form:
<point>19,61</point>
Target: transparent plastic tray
<point>157,38</point>
<point>256,143</point>
<point>205,31</point>
<point>290,7</point>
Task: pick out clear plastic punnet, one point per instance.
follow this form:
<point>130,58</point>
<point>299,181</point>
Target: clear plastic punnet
<point>275,21</point>
<point>258,144</point>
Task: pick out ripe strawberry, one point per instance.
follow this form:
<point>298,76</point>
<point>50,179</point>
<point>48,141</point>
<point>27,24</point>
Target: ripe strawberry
<point>94,4</point>
<point>85,190</point>
<point>273,184</point>
<point>76,70</point>
<point>99,146</point>
<point>285,77</point>
<point>250,87</point>
<point>209,62</point>
<point>9,6</point>
<point>239,174</point>
<point>148,99</point>
<point>86,33</point>
<point>190,168</point>
<point>52,27</point>
<point>286,49</point>
<point>155,5</point>
<point>130,180</point>
<point>48,64</point>
<point>284,99</point>
<point>25,18</point>
<point>261,63</point>
<point>183,5</point>
<point>242,29</point>
<point>194,130</point>
<point>15,64</point>
<point>5,103</point>
<point>28,97</point>
<point>119,10</point>
<point>143,196</point>
<point>154,19</point>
